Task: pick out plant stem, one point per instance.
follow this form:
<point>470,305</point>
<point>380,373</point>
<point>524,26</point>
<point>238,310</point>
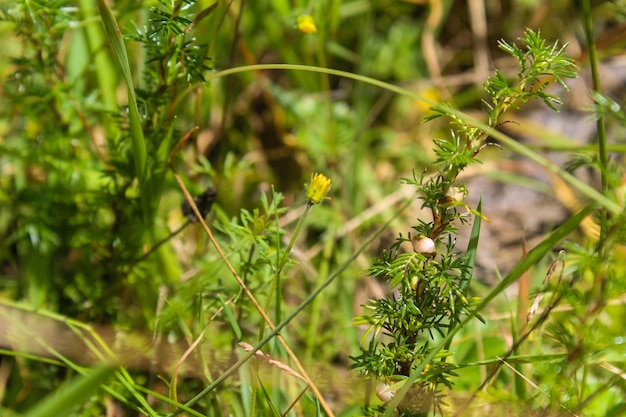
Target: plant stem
<point>281,263</point>
<point>600,124</point>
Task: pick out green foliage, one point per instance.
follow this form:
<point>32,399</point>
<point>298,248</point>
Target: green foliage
<point>536,61</point>
<point>540,65</point>
<point>107,115</point>
<point>78,392</point>
<point>432,286</point>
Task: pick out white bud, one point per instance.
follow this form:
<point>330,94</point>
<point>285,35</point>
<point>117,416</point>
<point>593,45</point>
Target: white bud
<point>424,245</point>
<point>457,193</point>
<point>382,392</point>
<point>453,197</point>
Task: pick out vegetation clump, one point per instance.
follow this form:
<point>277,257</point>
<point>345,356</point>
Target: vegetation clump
<point>162,255</point>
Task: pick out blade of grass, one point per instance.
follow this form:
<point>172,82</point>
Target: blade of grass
<point>518,325</point>
<point>581,186</point>
<point>116,41</point>
<point>230,318</point>
<point>65,399</point>
<point>466,276</point>
<point>534,256</point>
<point>273,411</point>
<point>600,125</point>
<point>168,400</point>
<point>30,357</point>
<point>105,73</point>
<point>150,177</point>
<point>472,248</point>
<point>524,359</point>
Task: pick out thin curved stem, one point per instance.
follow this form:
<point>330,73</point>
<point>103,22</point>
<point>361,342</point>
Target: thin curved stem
<point>600,123</point>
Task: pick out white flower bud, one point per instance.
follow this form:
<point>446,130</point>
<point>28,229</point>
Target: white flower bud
<point>457,193</point>
<point>382,392</point>
<point>453,197</point>
<point>424,245</point>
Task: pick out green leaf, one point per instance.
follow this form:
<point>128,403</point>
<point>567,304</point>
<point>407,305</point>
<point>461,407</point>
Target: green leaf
<point>472,248</point>
<point>116,41</point>
<point>230,317</point>
<point>65,399</point>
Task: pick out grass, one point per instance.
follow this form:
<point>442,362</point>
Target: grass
<point>113,301</point>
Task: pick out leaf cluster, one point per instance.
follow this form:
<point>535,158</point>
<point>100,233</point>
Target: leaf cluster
<point>175,60</point>
<point>173,53</point>
<point>429,299</point>
<point>540,65</point>
<point>251,241</point>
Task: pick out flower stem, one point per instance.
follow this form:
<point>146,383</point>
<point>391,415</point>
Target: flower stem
<point>281,263</point>
<point>600,125</point>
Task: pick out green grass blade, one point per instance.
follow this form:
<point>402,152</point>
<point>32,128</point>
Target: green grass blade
<point>534,256</point>
<point>138,142</point>
<point>268,401</point>
<point>105,73</point>
<point>61,402</point>
<point>581,186</point>
<point>472,248</point>
<point>230,317</point>
<point>537,253</point>
<point>167,400</point>
<point>600,122</point>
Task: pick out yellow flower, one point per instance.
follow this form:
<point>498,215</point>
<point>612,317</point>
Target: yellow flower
<point>428,93</point>
<point>306,24</point>
<point>319,187</point>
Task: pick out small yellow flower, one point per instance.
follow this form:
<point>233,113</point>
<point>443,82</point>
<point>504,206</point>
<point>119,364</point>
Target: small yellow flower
<point>306,24</point>
<point>429,93</point>
<point>319,187</point>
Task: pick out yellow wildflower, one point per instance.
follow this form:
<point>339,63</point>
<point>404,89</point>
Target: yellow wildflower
<point>429,93</point>
<point>319,187</point>
<point>306,24</point>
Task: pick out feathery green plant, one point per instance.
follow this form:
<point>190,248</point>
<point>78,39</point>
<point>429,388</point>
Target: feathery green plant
<point>431,283</point>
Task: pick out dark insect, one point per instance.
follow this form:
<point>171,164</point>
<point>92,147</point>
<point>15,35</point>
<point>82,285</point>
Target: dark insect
<point>204,202</point>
